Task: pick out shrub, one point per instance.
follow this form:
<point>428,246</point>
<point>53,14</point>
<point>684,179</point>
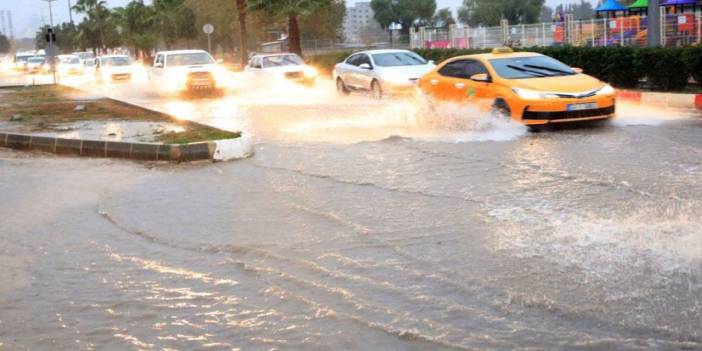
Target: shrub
<point>693,61</point>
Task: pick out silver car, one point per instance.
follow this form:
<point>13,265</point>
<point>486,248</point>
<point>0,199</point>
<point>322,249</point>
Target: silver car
<point>380,72</point>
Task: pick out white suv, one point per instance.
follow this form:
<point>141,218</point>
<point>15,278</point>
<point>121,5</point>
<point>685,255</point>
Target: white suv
<point>186,70</point>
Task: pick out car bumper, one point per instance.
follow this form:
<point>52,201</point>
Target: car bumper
<point>400,88</point>
<point>547,112</point>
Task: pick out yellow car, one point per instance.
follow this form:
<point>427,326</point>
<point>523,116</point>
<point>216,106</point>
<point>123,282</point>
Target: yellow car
<point>531,88</point>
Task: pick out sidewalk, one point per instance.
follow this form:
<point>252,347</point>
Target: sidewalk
<point>675,100</point>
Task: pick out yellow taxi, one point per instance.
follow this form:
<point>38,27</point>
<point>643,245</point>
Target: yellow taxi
<point>531,88</point>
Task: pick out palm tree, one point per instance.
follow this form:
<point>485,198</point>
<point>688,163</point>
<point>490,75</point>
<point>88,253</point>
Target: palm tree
<point>96,12</point>
<point>241,8</point>
<point>292,10</point>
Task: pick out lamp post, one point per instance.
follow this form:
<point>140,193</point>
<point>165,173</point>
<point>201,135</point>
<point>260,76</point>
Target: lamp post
<point>654,24</point>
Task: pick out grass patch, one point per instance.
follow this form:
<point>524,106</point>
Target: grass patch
<point>40,108</point>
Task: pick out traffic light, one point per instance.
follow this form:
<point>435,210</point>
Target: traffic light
<point>50,36</point>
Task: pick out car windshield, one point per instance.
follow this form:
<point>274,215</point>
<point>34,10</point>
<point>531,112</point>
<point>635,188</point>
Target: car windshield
<point>282,60</point>
<point>530,67</point>
<point>22,58</point>
<point>85,55</point>
<point>36,60</point>
<point>196,58</point>
<point>115,61</point>
<point>393,59</point>
<point>71,60</point>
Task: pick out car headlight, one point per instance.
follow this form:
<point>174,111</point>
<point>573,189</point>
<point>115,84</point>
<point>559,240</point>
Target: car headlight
<point>309,72</point>
<point>527,94</point>
<point>606,90</point>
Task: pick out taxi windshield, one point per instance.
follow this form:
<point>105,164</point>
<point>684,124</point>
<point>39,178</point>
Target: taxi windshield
<point>71,60</point>
<point>530,67</point>
<point>282,60</point>
<point>393,59</point>
<point>196,58</point>
<point>115,61</point>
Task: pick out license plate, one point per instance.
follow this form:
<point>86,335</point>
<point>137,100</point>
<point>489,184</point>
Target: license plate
<point>582,107</point>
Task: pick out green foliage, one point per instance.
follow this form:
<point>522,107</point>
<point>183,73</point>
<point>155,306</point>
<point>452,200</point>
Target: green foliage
<point>664,69</point>
<point>580,11</point>
<point>490,12</point>
<point>137,22</point>
<point>4,44</point>
<point>406,12</point>
<point>443,18</point>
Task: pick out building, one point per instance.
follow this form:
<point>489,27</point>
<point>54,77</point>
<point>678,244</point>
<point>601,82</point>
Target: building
<point>357,19</point>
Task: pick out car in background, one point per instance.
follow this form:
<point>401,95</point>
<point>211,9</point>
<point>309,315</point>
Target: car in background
<point>21,59</point>
<point>114,68</point>
<point>68,65</point>
<point>87,58</point>
<point>282,66</point>
<point>531,88</point>
<point>186,71</point>
<point>381,72</point>
<point>37,64</point>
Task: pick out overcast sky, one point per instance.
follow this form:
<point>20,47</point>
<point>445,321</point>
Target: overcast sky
<point>28,15</point>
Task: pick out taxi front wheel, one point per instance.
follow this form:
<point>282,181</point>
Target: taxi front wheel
<point>501,109</point>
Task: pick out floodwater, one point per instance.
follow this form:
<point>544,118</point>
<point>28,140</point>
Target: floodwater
<point>362,225</point>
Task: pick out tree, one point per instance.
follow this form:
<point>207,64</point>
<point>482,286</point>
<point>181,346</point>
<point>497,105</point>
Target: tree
<point>443,18</point>
<point>546,14</point>
<point>490,12</point>
<point>292,10</point>
<point>174,21</point>
<point>93,26</point>
<point>137,24</point>
<point>405,12</point>
<point>325,22</point>
<point>4,44</point>
<point>581,11</point>
<point>242,7</point>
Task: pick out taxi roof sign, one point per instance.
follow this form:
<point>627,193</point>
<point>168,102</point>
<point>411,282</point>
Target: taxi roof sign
<point>502,50</point>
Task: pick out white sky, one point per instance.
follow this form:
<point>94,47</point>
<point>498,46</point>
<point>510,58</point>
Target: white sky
<point>28,15</point>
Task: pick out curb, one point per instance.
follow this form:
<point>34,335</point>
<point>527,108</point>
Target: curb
<point>676,100</point>
<point>220,150</point>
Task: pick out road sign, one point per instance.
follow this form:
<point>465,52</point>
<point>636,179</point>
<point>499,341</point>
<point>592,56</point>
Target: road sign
<point>208,29</point>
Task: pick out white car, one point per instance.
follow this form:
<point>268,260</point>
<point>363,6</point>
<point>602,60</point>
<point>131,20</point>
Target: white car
<point>281,66</point>
<point>37,64</point>
<point>112,68</point>
<point>381,72</point>
<point>87,58</point>
<point>68,64</point>
<point>186,70</point>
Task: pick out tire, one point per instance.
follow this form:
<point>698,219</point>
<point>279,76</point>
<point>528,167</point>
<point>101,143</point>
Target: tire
<point>341,88</point>
<point>376,90</point>
<point>501,109</point>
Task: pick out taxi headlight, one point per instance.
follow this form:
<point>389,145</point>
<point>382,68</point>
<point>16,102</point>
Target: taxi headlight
<point>527,94</point>
<point>310,72</point>
<point>606,90</point>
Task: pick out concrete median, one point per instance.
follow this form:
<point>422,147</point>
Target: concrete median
<point>127,150</point>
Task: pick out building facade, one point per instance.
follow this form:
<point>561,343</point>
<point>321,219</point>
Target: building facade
<point>357,19</point>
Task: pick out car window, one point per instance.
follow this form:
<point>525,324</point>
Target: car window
<point>116,61</point>
<point>281,60</point>
<point>159,59</point>
<point>364,59</point>
<point>189,59</point>
<point>463,69</point>
<point>400,58</point>
<point>353,60</point>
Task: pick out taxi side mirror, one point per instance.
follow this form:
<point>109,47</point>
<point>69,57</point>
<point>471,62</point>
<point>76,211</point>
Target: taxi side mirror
<point>577,70</point>
<point>480,77</point>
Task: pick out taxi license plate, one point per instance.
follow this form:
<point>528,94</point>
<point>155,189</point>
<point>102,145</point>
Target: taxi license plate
<point>582,107</point>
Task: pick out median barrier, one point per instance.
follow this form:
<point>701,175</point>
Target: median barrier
<point>674,100</point>
<point>219,150</point>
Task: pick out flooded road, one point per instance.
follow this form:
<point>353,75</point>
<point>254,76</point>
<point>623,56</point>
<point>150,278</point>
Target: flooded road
<point>362,225</point>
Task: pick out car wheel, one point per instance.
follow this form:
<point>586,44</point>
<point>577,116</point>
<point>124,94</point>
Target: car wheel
<point>501,109</point>
<point>341,87</point>
<point>376,90</point>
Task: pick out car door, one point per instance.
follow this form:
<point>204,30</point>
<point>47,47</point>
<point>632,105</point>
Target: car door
<point>158,68</point>
<point>346,70</point>
<point>364,76</point>
<point>454,84</point>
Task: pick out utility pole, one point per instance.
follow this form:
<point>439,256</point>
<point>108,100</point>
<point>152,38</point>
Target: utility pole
<point>70,12</point>
<point>654,23</point>
<point>51,48</point>
<point>3,29</point>
<point>9,24</point>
